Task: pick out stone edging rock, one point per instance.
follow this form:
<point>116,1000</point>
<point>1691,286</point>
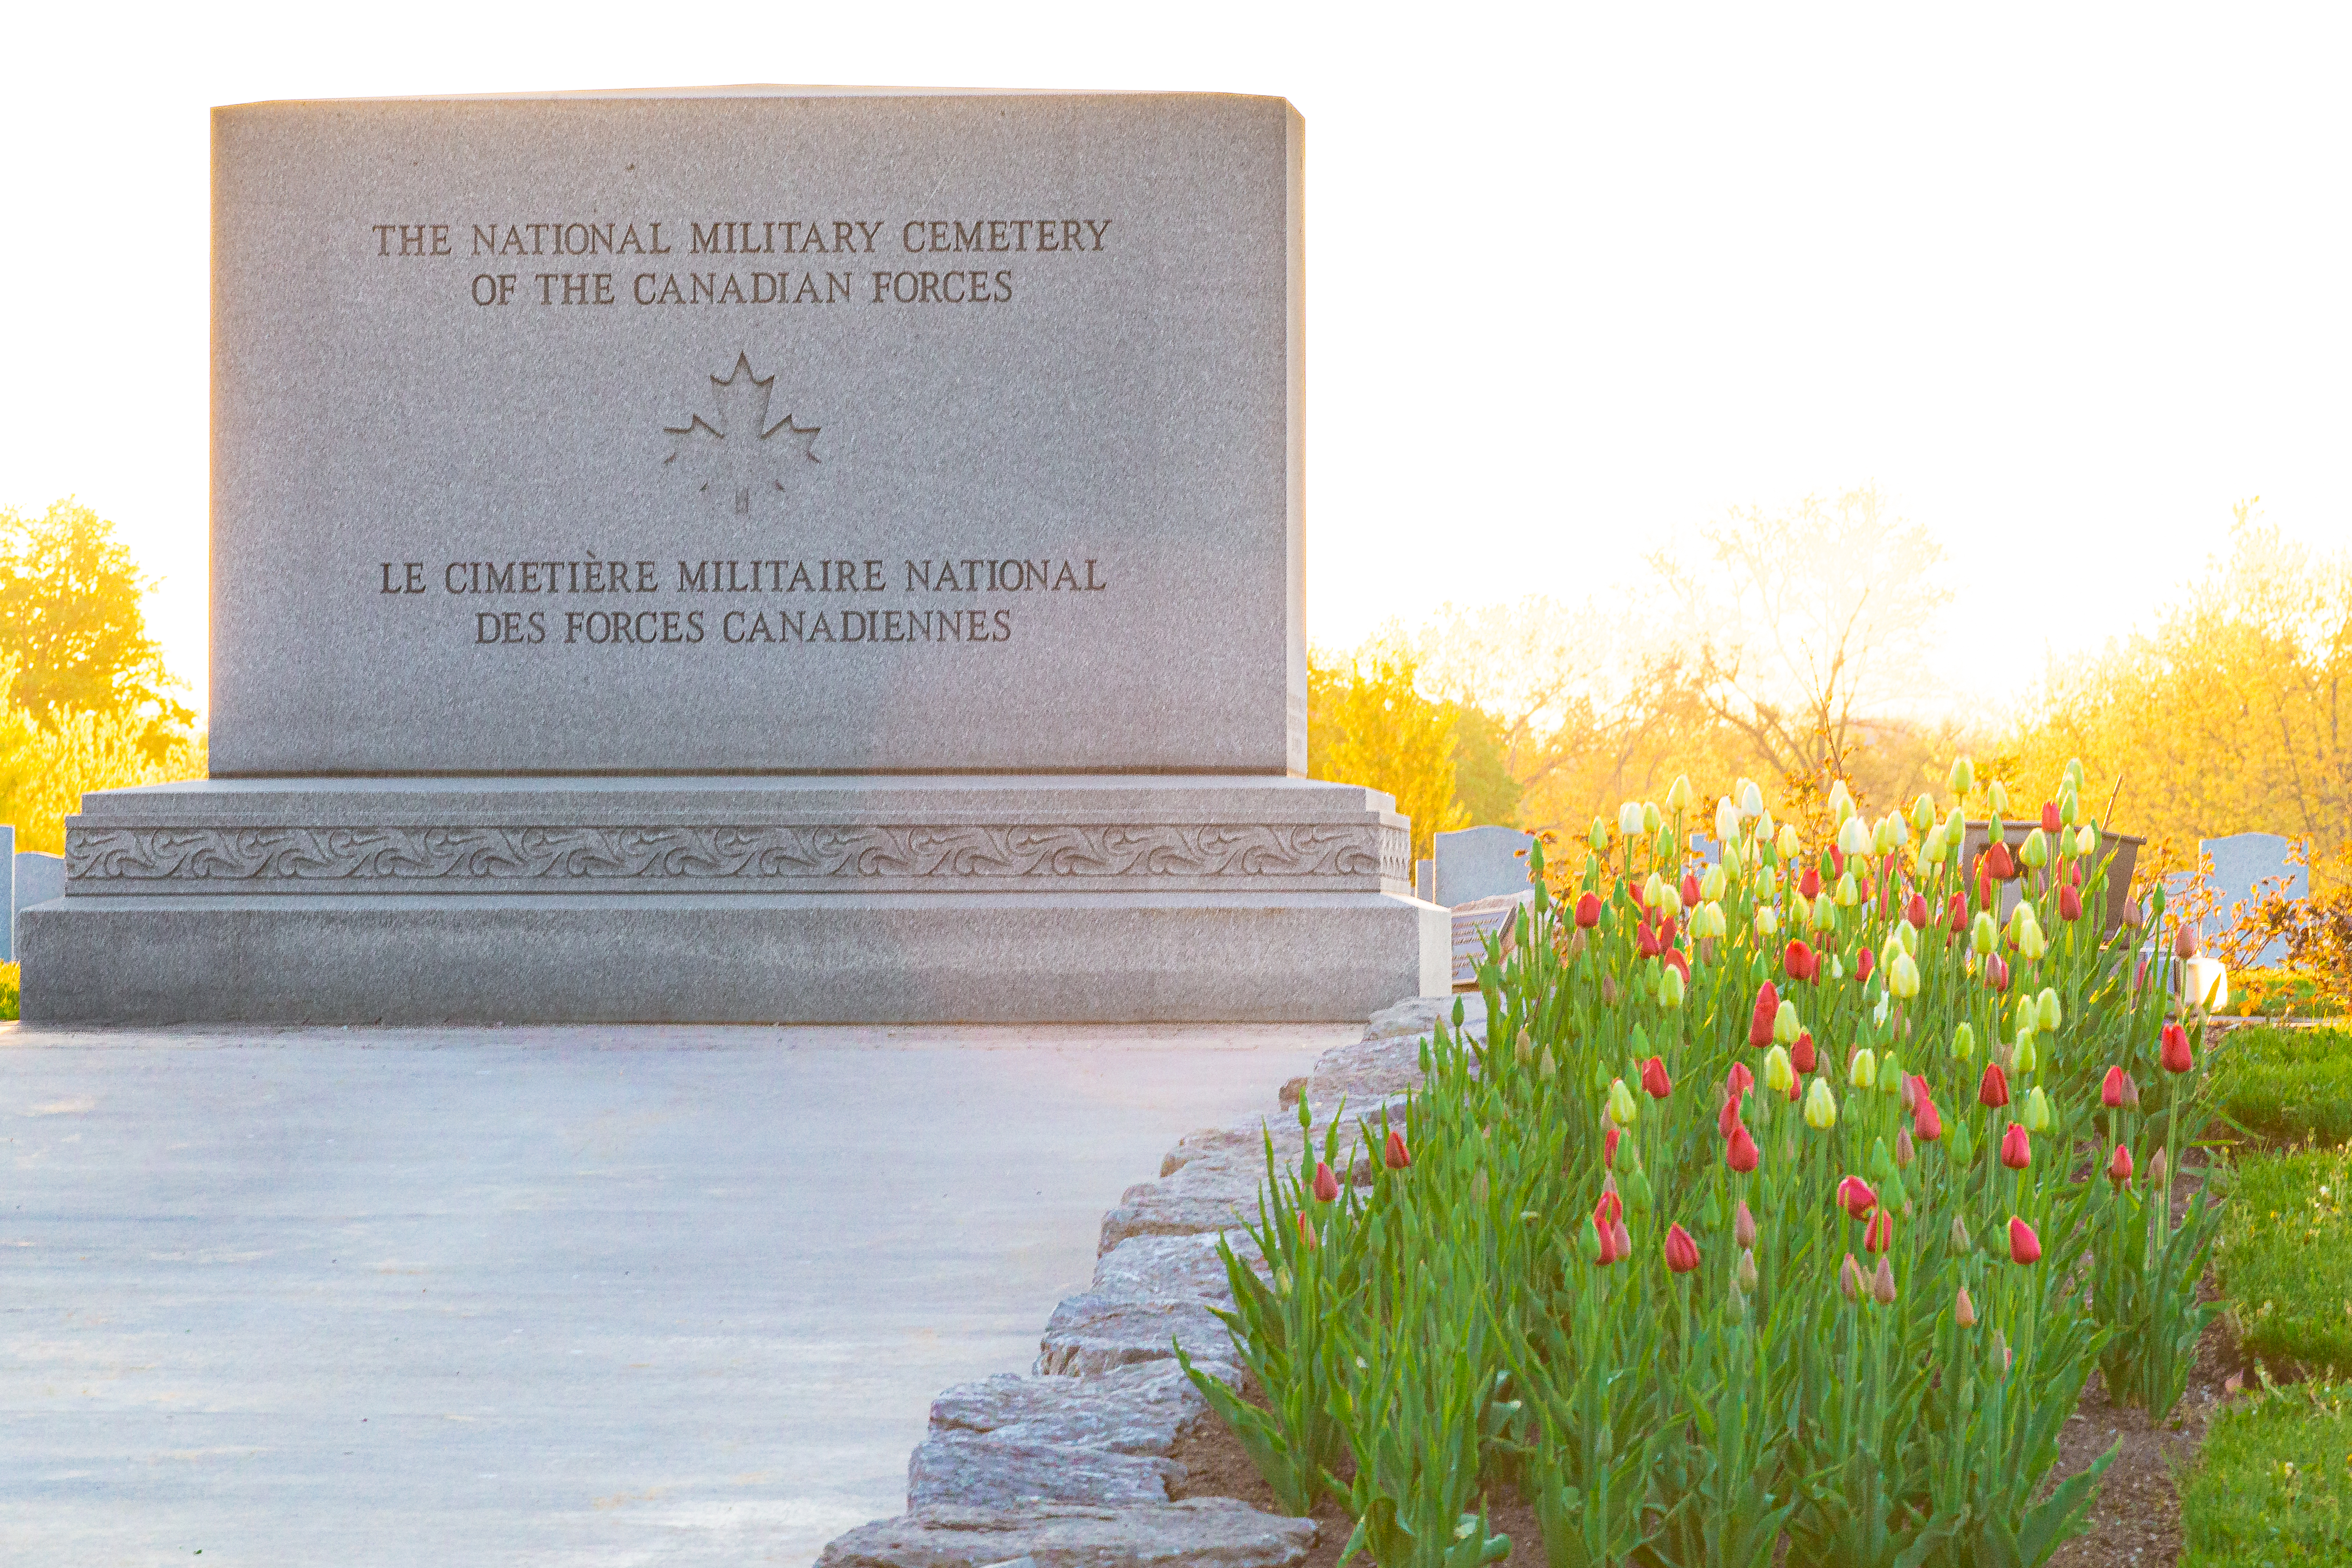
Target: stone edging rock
<point>1067,1467</point>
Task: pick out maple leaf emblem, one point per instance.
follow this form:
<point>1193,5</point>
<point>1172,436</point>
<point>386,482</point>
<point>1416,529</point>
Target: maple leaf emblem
<point>741,454</point>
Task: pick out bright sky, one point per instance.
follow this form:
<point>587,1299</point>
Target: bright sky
<point>2064,282</point>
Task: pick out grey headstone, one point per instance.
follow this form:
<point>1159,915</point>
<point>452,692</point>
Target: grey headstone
<point>1708,850</point>
<point>2245,866</point>
<point>1480,863</point>
<point>1424,881</point>
<point>35,879</point>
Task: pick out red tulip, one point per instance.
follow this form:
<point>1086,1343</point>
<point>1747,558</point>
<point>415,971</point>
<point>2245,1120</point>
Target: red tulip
<point>1306,1236</point>
<point>1682,1252</point>
<point>1996,863</point>
<point>1739,1080</point>
<point>1739,1153</point>
<point>2119,1169</point>
<point>1879,1234</point>
<point>2050,823</point>
<point>1690,890</point>
<point>1609,1147</point>
<point>1729,1117</point>
<point>1864,964</point>
<point>2024,1247</point>
<point>1926,1122</point>
<point>1992,1089</point>
<point>1620,1240</point>
<point>1959,919</point>
<point>1801,1055</point>
<point>1393,1154</point>
<point>1849,1279</point>
<point>1854,1196</point>
<point>1996,973</point>
<point>2111,1088</point>
<point>1606,1231</point>
<point>1810,884</point>
<point>1767,1008</point>
<point>1797,959</point>
<point>1610,1209</point>
<point>1881,1284</point>
<point>2176,1055</point>
<point>1588,911</point>
<point>2184,940</point>
<point>1915,1090</point>
<point>2070,904</point>
<point>2016,1147</point>
<point>1915,911</point>
<point>1796,1087</point>
<point>1654,1079</point>
<point>1675,960</point>
<point>1837,861</point>
<point>2074,873</point>
<point>1326,1185</point>
<point>1646,939</point>
<point>1743,1226</point>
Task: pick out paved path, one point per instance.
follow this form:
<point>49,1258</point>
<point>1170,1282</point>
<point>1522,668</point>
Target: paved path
<point>539,1296</point>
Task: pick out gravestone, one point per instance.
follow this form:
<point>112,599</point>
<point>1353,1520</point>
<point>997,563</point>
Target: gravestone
<point>2246,866</point>
<point>34,877</point>
<point>1479,863</point>
<point>8,867</point>
<point>752,554</point>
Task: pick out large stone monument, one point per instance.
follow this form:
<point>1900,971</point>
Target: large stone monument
<point>751,554</point>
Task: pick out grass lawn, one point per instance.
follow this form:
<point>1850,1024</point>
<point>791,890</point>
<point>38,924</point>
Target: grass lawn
<point>2286,1085</point>
<point>2285,1257</point>
<point>2273,1485</point>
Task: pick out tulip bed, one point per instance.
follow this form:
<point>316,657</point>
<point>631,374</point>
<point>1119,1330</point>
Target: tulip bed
<point>1789,1207</point>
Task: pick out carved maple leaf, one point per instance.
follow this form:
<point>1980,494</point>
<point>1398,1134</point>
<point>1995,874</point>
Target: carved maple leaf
<point>740,453</point>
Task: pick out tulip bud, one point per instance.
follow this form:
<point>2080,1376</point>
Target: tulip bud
<point>2049,816</point>
<point>1849,1279</point>
<point>1751,799</point>
<point>1588,911</point>
<point>1992,1089</point>
<point>1654,1082</point>
<point>1768,920</point>
<point>1964,1311</point>
<point>2087,841</point>
<point>1767,1010</point>
<point>1306,1236</point>
<point>1739,1152</point>
<point>1847,893</point>
<point>1801,1056</point>
<point>1854,1196</point>
<point>2184,940</point>
<point>1797,959</point>
<point>1996,863</point>
<point>2035,850</point>
<point>2158,1174</point>
<point>1670,987</point>
<point>1964,1042</point>
<point>1853,836</point>
<point>1785,1027</point>
<point>1961,1243</point>
<point>1621,1108</point>
<point>1931,848</point>
<point>1863,964</point>
<point>1652,818</point>
<point>1904,1150</point>
<point>2016,1147</point>
<point>1891,834</point>
<point>1546,1067</point>
<point>2026,1057</point>
<point>1862,1070</point>
<point>1727,820</point>
<point>1743,1234</point>
<point>1786,842</point>
<point>2119,1168</point>
<point>1733,862</point>
<point>1682,1252</point>
<point>1841,799</point>
<point>1926,1122</point>
<point>2111,1088</point>
<point>2070,905</point>
<point>2024,1247</point>
<point>1686,891</point>
<point>1881,1284</point>
<point>1608,1136</point>
<point>1780,1070</point>
<point>2175,1053</point>
<point>1821,1107</point>
<point>1679,795</point>
<point>1983,935</point>
<point>1903,977</point>
<point>1711,886</point>
<point>2031,943</point>
<point>2039,1117</point>
<point>1393,1154</point>
<point>1879,1234</point>
<point>1996,973</point>
<point>1964,775</point>
<point>1999,798</point>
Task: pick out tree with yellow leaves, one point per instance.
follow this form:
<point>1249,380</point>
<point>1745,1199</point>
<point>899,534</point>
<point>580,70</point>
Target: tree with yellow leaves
<point>1368,723</point>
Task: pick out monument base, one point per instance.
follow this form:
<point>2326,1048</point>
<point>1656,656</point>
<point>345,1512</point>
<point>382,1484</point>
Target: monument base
<point>982,900</point>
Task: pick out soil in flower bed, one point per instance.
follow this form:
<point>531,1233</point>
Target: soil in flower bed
<point>2136,1523</point>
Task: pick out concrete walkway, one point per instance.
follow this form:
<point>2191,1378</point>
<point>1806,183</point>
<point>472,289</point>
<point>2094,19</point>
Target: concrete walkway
<point>542,1296</point>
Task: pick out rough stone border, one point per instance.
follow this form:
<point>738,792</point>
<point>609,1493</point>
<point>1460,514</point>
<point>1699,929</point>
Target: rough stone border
<point>1068,1467</point>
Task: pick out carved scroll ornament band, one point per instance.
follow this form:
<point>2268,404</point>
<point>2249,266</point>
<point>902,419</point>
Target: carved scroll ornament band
<point>767,855</point>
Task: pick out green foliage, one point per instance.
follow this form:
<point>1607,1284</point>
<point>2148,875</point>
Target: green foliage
<point>2287,1258</point>
<point>71,616</point>
<point>1482,785</point>
<point>8,991</point>
<point>1368,723</point>
<point>1729,1386</point>
<point>2272,1484</point>
<point>2286,1085</point>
